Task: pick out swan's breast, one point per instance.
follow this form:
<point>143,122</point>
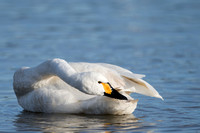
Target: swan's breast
<point>22,81</point>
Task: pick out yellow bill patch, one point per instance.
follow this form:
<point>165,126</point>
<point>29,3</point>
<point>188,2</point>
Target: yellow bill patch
<point>107,88</point>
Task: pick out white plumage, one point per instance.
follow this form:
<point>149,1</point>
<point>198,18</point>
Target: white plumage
<point>56,86</point>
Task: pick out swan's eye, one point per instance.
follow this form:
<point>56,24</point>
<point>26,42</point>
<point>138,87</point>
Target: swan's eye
<point>99,82</point>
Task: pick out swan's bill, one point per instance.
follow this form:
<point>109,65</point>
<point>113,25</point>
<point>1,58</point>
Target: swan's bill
<point>106,87</point>
<point>111,92</point>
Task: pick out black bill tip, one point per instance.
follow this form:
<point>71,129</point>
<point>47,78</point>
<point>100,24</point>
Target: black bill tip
<point>115,94</point>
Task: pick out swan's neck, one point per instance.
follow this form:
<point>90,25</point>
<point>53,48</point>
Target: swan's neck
<point>55,67</point>
<point>63,70</point>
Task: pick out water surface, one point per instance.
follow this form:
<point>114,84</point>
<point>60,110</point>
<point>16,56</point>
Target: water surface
<point>157,38</point>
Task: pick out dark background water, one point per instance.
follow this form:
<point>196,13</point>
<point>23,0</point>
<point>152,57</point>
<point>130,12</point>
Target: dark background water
<point>160,39</point>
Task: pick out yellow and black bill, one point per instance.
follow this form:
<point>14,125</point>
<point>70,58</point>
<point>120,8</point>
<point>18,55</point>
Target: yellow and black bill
<point>111,92</point>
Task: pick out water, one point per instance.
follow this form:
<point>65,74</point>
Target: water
<point>156,38</point>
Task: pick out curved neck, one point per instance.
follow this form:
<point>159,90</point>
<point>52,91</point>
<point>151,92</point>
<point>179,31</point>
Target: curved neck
<point>64,71</point>
<point>56,67</point>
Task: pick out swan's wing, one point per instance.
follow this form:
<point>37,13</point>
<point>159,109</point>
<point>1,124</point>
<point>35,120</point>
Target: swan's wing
<point>135,80</point>
<point>122,71</point>
<point>119,77</point>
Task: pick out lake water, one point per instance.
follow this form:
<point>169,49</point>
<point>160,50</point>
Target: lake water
<point>160,39</point>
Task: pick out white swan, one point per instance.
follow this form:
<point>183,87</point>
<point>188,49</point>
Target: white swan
<point>56,86</point>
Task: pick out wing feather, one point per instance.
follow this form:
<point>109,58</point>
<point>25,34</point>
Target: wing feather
<point>120,78</point>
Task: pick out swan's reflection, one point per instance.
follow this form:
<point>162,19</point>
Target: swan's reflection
<point>27,121</point>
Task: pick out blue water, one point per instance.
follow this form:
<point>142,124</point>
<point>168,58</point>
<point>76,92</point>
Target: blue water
<point>157,38</point>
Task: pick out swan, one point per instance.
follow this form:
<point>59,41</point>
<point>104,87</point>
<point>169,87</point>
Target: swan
<point>58,86</point>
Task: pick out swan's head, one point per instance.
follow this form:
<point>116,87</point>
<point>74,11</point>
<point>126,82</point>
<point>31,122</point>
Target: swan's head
<point>96,84</point>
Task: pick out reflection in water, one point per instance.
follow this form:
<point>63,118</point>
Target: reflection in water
<point>28,121</point>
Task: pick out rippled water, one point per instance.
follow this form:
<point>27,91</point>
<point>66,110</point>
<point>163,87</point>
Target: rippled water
<point>156,38</point>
